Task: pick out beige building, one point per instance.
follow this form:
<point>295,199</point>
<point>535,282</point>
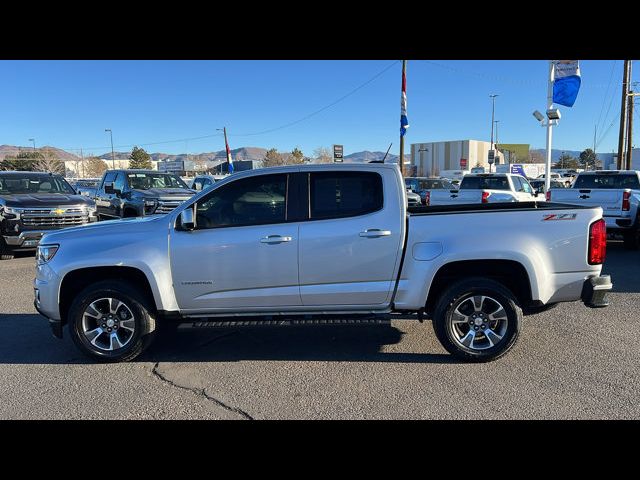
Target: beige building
<point>450,159</point>
<point>74,168</point>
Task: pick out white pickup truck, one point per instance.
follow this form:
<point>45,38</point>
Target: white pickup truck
<point>486,188</point>
<point>617,192</point>
<point>322,244</point>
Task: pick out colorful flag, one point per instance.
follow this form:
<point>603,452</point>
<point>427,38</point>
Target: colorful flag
<point>404,123</point>
<point>229,159</point>
<point>566,82</point>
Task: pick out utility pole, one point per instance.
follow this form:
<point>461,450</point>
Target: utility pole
<point>595,129</point>
<point>623,113</point>
<point>493,109</point>
<point>82,162</point>
<point>113,155</point>
<point>627,163</point>
<point>33,140</point>
<point>403,111</point>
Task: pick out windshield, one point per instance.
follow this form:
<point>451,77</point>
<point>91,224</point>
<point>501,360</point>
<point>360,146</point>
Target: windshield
<point>145,181</point>
<point>607,181</point>
<point>487,183</point>
<point>33,183</point>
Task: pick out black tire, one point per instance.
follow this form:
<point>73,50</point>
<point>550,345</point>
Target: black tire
<point>631,239</point>
<point>135,301</point>
<point>455,296</point>
<point>130,213</point>
<point>5,251</point>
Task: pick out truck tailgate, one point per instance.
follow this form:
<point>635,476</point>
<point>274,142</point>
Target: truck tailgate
<point>454,197</point>
<point>609,199</point>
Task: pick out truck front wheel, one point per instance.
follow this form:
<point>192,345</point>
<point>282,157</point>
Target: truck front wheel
<point>5,251</point>
<point>477,319</point>
<point>110,321</point>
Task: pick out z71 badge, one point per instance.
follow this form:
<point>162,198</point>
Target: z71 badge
<point>559,216</point>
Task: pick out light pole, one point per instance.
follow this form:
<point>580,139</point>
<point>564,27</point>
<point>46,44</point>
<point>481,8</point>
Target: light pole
<point>493,109</point>
<point>420,150</point>
<point>113,155</point>
<point>33,140</point>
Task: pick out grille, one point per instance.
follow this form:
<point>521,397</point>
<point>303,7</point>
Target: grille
<point>166,207</point>
<point>53,220</point>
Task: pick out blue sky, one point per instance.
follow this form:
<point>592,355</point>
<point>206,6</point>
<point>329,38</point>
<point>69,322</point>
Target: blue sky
<point>68,104</point>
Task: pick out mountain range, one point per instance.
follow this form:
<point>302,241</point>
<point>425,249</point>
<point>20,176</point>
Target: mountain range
<point>243,153</point>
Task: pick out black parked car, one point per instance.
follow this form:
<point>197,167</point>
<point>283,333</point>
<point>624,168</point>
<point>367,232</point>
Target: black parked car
<point>136,193</point>
<point>33,203</point>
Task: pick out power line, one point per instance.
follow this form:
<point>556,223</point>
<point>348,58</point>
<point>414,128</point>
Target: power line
<point>604,99</point>
<point>306,117</point>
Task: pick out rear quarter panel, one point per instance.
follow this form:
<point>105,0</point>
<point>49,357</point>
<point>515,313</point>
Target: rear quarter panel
<point>550,249</point>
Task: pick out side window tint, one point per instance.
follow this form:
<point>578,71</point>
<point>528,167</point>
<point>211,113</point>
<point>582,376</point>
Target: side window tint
<point>109,177</point>
<point>250,201</point>
<point>119,182</point>
<point>345,194</point>
<point>525,186</point>
<point>517,185</point>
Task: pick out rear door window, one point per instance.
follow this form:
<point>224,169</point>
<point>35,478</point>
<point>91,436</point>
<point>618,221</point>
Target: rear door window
<point>344,194</point>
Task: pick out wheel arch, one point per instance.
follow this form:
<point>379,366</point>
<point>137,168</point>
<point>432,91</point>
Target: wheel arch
<point>510,273</point>
<point>76,280</point>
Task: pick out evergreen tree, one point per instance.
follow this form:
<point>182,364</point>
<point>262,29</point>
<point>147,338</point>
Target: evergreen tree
<point>139,159</point>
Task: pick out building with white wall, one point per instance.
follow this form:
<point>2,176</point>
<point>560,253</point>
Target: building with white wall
<point>451,158</point>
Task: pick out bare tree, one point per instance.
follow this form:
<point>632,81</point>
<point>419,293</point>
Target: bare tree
<point>94,167</point>
<point>49,163</point>
<point>322,155</point>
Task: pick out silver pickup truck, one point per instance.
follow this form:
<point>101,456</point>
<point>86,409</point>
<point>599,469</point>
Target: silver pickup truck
<point>616,191</point>
<point>320,243</point>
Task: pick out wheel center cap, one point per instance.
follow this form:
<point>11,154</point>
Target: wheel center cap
<point>478,321</point>
<point>110,323</point>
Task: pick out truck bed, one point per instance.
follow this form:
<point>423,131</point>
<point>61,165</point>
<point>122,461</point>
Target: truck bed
<point>489,207</point>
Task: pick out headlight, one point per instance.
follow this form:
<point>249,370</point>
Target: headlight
<point>45,253</point>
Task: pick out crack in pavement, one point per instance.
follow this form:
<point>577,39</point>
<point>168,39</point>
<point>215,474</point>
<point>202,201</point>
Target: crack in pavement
<point>201,392</point>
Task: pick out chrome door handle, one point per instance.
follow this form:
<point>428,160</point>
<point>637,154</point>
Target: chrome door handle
<point>275,239</point>
<point>375,233</point>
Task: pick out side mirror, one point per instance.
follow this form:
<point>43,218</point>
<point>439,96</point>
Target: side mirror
<point>197,186</point>
<point>108,188</point>
<point>536,193</point>
<point>187,220</point>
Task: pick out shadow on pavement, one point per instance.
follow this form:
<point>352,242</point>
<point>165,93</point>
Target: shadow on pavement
<point>27,340</point>
<point>624,267</point>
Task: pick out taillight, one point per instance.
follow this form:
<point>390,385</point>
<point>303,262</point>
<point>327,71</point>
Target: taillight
<point>548,195</point>
<point>427,198</point>
<point>485,197</point>
<point>626,204</point>
<point>597,242</point>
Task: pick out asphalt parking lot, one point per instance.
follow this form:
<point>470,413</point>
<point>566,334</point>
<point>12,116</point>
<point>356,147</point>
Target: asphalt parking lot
<point>571,362</point>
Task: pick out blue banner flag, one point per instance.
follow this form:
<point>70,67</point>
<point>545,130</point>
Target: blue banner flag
<point>566,82</point>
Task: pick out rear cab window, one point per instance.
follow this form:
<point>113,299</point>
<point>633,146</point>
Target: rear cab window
<point>485,183</point>
<point>625,180</point>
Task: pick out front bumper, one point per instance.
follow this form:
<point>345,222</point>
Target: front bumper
<point>56,325</point>
<point>595,289</point>
<point>26,239</point>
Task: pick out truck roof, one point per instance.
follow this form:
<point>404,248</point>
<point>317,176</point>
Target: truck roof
<point>609,172</point>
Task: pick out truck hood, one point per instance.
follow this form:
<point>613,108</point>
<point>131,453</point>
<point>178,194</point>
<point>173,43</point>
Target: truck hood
<point>165,193</point>
<point>110,227</point>
<point>44,200</point>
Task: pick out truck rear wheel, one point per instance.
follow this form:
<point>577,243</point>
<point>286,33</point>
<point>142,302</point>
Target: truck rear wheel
<point>110,321</point>
<point>477,319</point>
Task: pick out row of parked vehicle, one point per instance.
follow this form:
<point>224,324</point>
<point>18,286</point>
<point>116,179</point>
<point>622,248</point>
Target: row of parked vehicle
<point>617,192</point>
<point>34,203</point>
